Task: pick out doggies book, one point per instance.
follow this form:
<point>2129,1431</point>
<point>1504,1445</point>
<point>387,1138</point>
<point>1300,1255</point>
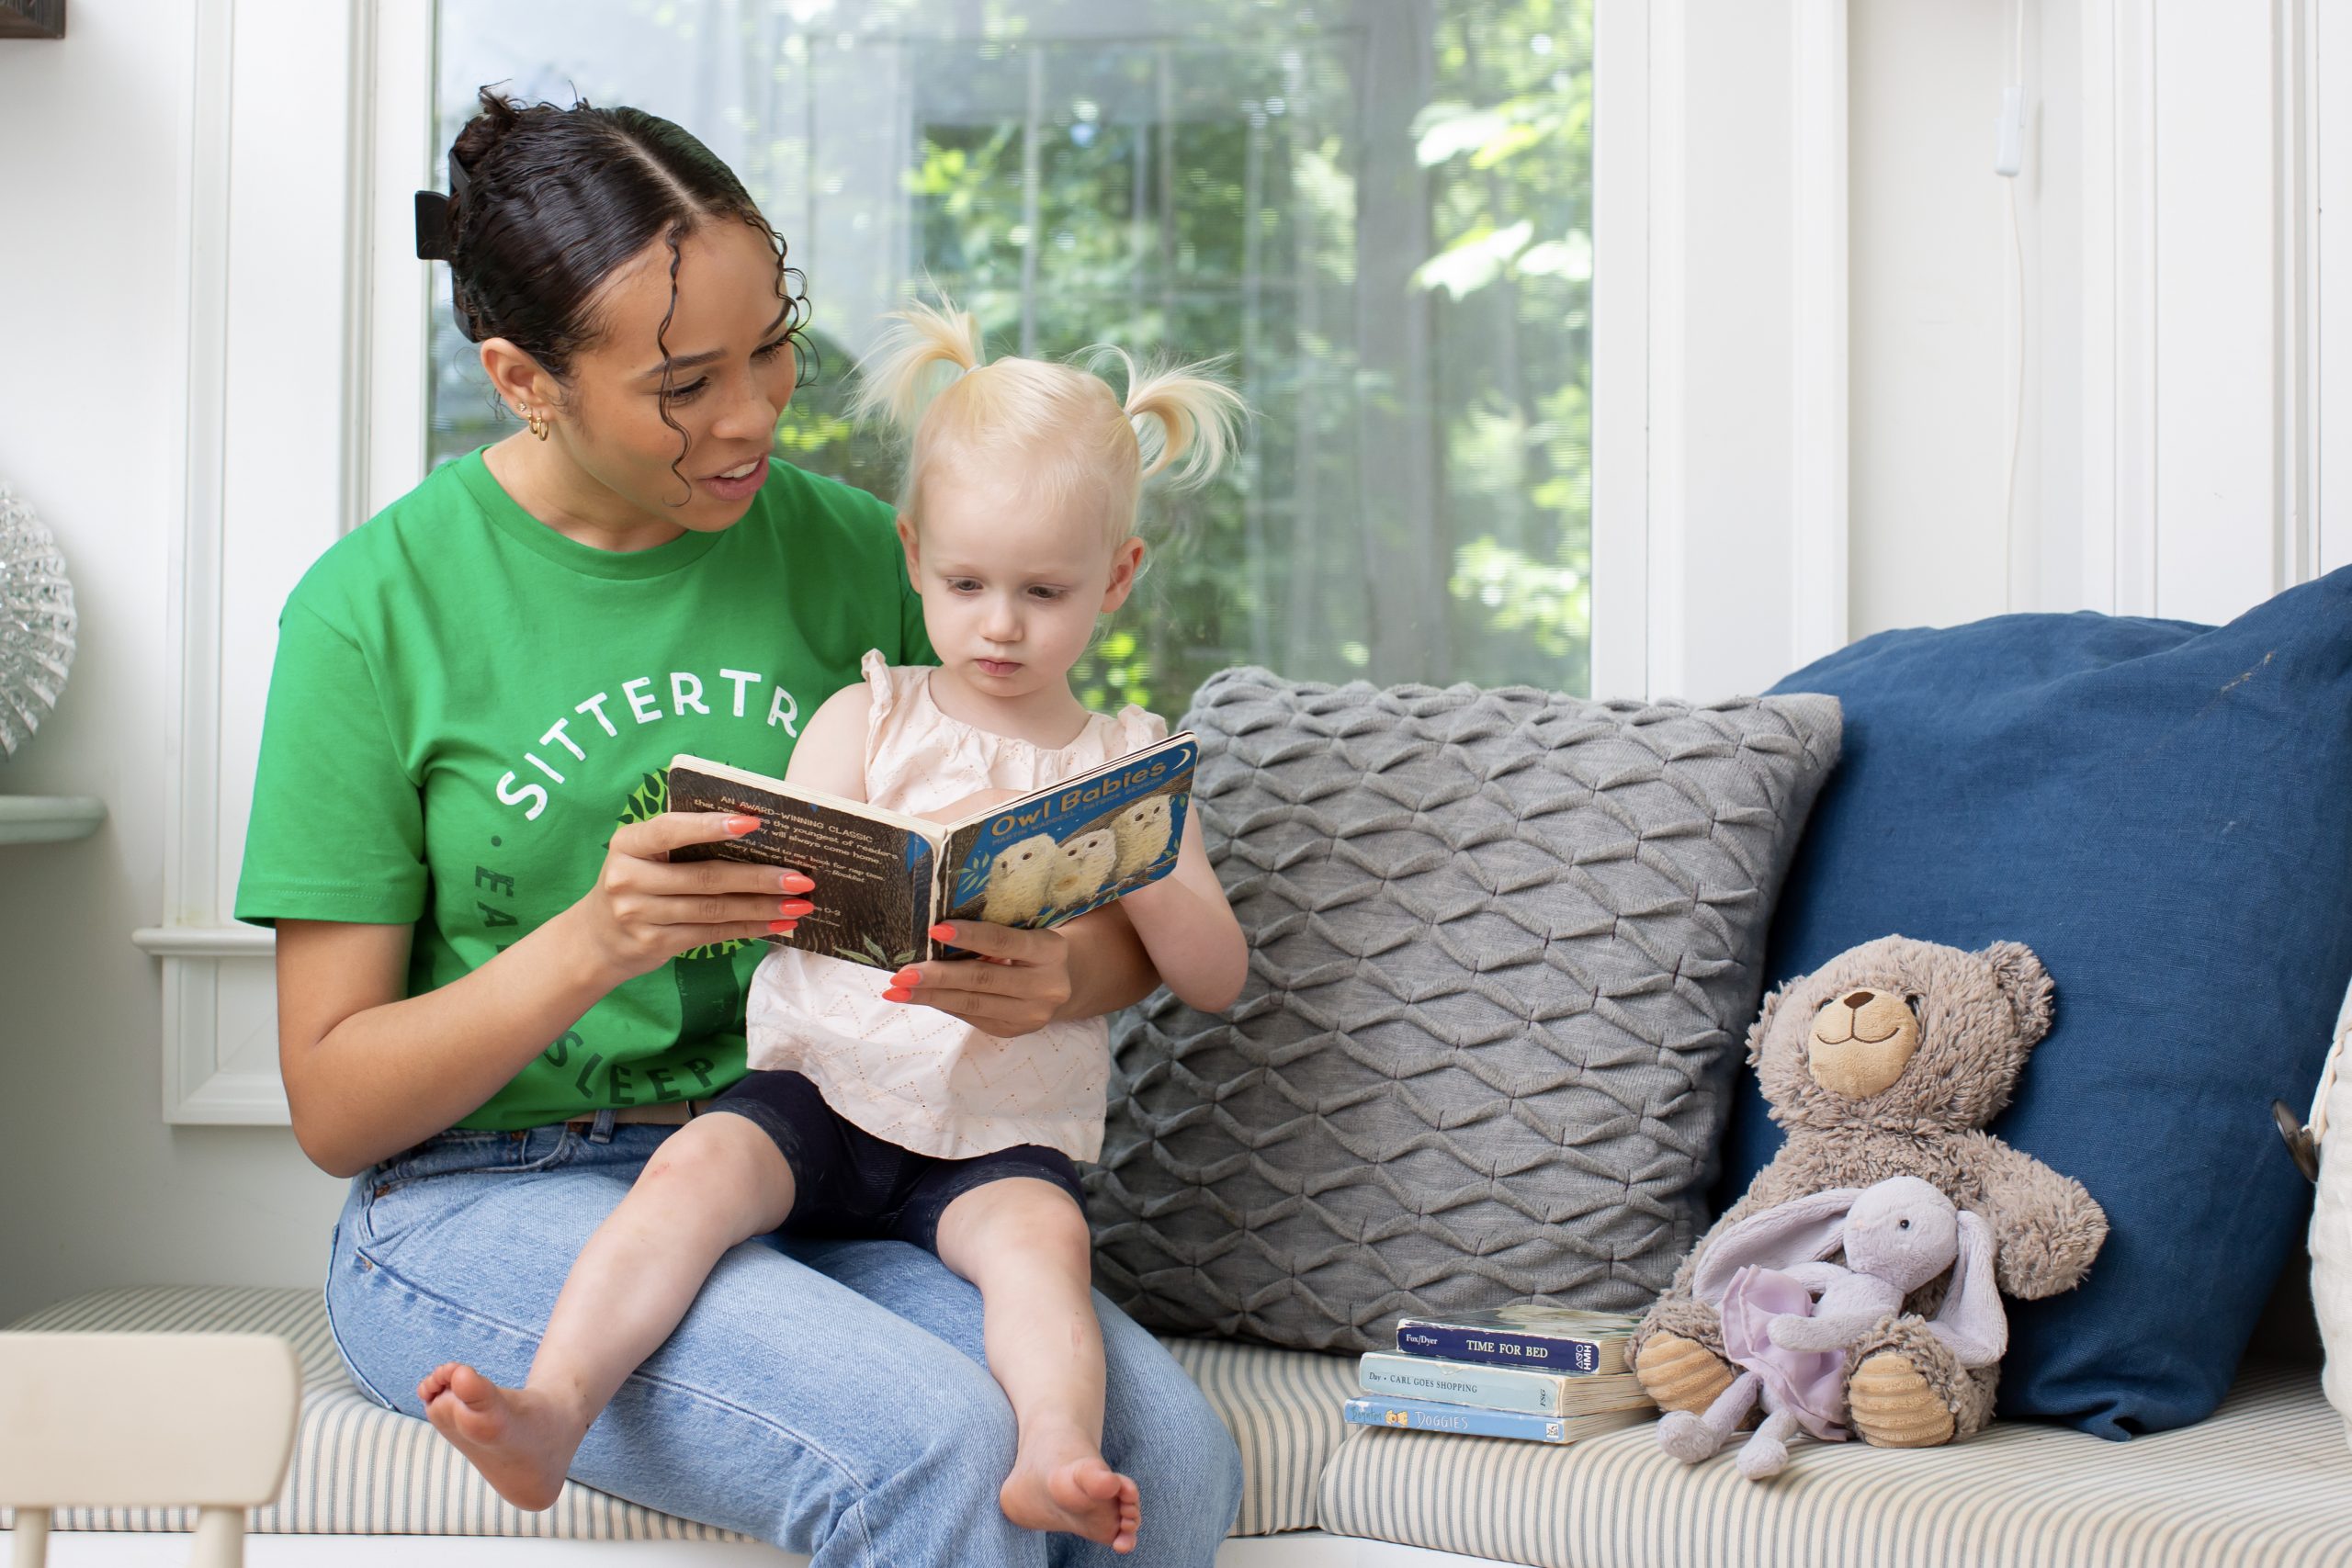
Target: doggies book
<point>1429,1415</point>
<point>883,878</point>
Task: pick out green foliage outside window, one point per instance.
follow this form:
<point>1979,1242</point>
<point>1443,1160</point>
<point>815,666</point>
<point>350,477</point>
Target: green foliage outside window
<point>1402,289</point>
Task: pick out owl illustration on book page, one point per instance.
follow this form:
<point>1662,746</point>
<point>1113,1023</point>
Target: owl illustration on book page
<point>1019,881</point>
<point>1142,829</point>
<point>1083,867</point>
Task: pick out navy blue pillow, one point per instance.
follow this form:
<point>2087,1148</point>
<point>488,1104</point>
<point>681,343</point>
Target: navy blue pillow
<point>2162,811</point>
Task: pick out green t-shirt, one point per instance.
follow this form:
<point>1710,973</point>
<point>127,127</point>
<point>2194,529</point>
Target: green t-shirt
<point>466,703</point>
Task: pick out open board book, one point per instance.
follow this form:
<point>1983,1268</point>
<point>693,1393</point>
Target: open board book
<point>885,878</point>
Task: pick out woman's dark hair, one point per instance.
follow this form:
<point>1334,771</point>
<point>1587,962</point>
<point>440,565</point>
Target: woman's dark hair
<point>552,202</point>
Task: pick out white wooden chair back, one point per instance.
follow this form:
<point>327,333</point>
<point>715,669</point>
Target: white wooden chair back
<point>145,1420</point>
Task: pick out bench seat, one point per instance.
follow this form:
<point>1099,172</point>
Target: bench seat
<point>359,1469</point>
<point>2266,1480</point>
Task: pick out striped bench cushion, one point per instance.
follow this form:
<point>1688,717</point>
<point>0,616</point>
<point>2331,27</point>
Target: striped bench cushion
<point>1283,1407</point>
<point>359,1469</point>
<point>2265,1481</point>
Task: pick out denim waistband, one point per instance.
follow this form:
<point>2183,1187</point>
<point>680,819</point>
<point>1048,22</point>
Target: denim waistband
<point>464,1149</point>
<point>472,1148</point>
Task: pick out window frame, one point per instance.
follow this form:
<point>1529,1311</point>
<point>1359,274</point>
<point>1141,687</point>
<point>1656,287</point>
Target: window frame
<point>279,460</point>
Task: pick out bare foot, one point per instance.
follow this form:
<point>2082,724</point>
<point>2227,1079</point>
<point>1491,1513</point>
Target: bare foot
<point>1063,1483</point>
<point>518,1439</point>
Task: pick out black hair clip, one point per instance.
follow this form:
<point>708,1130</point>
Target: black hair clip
<point>436,233</point>
<point>433,236</point>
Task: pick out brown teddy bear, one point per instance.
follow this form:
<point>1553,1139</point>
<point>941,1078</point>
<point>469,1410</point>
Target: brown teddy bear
<point>1888,1062</point>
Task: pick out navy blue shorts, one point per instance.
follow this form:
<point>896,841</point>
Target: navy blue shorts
<point>847,1183</point>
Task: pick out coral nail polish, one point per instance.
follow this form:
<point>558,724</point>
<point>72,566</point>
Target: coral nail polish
<point>783,928</point>
<point>796,907</point>
<point>943,931</point>
<point>794,882</point>
<point>896,994</point>
<point>907,979</point>
<point>739,826</point>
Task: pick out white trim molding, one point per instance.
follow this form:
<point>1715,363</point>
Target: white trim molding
<point>204,941</point>
<point>2327,101</point>
<point>2203,262</point>
<point>2118,220</point>
<point>275,445</point>
<point>1664,582</point>
<point>1626,201</point>
<point>1818,312</point>
<point>1720,200</point>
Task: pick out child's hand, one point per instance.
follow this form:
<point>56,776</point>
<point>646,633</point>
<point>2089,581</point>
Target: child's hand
<point>1017,984</point>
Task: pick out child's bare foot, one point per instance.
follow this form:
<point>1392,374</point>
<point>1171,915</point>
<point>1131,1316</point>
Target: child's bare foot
<point>1061,1482</point>
<point>518,1439</point>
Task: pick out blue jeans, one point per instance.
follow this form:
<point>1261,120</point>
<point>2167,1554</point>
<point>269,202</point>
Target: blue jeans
<point>829,1396</point>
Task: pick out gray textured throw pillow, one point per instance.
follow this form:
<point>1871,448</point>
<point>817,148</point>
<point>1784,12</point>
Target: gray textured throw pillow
<point>1505,946</point>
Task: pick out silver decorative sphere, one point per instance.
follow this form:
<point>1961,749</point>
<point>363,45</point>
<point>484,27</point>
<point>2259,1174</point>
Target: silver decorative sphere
<point>36,622</point>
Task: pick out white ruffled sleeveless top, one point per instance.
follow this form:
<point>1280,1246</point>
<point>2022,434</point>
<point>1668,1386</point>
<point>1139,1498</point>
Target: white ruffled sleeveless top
<point>907,1073</point>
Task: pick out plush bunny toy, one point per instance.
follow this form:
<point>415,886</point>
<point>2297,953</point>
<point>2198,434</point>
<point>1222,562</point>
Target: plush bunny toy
<point>1789,1315</point>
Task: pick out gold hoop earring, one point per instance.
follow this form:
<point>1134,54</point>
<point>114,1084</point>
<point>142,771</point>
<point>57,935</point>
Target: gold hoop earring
<point>540,424</point>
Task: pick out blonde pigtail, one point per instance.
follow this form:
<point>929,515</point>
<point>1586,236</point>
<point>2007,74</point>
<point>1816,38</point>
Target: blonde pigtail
<point>904,373</point>
<point>1185,421</point>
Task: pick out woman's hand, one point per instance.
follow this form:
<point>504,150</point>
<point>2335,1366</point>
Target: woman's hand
<point>1019,983</point>
<point>644,910</point>
<point>370,1070</point>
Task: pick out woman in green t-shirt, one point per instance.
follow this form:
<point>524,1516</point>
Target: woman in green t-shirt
<point>496,998</point>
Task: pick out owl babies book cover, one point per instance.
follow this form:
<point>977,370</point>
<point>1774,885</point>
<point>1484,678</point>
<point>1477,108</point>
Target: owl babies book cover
<point>885,878</point>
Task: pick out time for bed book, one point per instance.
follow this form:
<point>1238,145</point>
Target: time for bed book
<point>885,878</point>
<point>1532,1334</point>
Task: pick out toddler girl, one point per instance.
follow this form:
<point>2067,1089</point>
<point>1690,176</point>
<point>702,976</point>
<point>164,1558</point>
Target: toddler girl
<point>866,1113</point>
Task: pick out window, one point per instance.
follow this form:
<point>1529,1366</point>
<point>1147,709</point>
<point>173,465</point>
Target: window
<point>1422,250</point>
<point>1377,211</point>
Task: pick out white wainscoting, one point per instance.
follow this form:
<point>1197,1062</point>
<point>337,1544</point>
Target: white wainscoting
<point>272,351</point>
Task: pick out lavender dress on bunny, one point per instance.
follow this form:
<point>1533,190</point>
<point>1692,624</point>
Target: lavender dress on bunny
<point>1808,1384</point>
<point>1789,1314</point>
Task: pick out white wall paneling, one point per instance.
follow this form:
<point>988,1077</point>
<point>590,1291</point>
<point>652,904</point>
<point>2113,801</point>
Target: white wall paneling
<point>2220,322</point>
<point>2328,104</point>
<point>2180,360</point>
<point>1933,331</point>
<point>1818,314</point>
<point>279,375</point>
<point>1719,539</point>
<point>392,290</point>
<point>2118,296</point>
<point>2295,267</point>
<point>2199,306</point>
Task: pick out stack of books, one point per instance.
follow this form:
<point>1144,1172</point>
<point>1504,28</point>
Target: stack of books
<point>1544,1373</point>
